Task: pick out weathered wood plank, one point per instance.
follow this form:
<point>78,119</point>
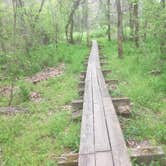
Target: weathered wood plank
<point>104,159</point>
<point>87,160</point>
<point>77,104</point>
<point>101,135</point>
<point>147,154</point>
<point>87,129</point>
<point>118,144</point>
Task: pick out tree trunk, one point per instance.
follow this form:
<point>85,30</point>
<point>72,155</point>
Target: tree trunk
<point>136,23</point>
<point>120,29</point>
<point>14,4</point>
<point>131,21</point>
<point>40,10</point>
<point>71,31</point>
<point>20,5</point>
<point>87,22</point>
<point>54,22</point>
<point>70,23</point>
<point>108,20</point>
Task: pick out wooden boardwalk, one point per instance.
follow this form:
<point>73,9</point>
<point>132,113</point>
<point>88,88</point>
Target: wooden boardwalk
<point>102,142</point>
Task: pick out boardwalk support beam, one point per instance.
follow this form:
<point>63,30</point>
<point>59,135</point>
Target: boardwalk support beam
<point>122,106</point>
<point>77,104</point>
<point>81,84</point>
<point>106,71</point>
<point>143,155</point>
<point>83,74</point>
<point>112,82</point>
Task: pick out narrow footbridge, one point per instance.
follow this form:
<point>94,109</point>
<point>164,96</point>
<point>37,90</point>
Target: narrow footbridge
<point>102,142</point>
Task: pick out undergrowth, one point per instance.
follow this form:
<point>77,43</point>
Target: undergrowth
<point>146,91</point>
<point>45,130</point>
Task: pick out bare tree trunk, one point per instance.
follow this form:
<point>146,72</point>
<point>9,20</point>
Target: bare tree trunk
<point>20,4</point>
<point>37,15</point>
<point>131,21</point>
<point>71,30</point>
<point>136,22</point>
<point>120,29</point>
<point>108,20</point>
<point>87,23</point>
<point>14,4</point>
<point>54,22</point>
<point>70,22</point>
<point>56,34</point>
<point>40,10</point>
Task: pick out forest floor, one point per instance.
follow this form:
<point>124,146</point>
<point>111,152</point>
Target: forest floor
<point>45,130</point>
<point>39,126</point>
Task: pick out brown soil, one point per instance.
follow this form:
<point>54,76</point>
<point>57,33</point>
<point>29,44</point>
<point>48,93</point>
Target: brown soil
<point>35,97</point>
<point>11,110</point>
<point>5,91</point>
<point>46,74</point>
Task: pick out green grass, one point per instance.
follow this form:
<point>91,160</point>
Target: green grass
<point>147,92</point>
<point>47,130</point>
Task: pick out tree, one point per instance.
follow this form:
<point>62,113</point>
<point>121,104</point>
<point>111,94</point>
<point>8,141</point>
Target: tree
<point>108,20</point>
<point>87,22</point>
<point>136,24</point>
<point>120,28</point>
<point>131,21</point>
<point>70,23</point>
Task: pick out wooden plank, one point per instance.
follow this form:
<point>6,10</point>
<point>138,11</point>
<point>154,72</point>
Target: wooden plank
<point>147,154</point>
<point>87,160</point>
<point>87,150</point>
<point>87,130</point>
<point>101,135</point>
<point>104,159</point>
<point>77,104</point>
<point>118,144</point>
<point>121,101</point>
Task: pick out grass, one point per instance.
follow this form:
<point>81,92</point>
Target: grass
<point>47,130</point>
<point>147,92</point>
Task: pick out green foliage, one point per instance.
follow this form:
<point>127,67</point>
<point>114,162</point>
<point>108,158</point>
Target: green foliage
<point>45,131</point>
<point>99,32</point>
<point>24,93</point>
